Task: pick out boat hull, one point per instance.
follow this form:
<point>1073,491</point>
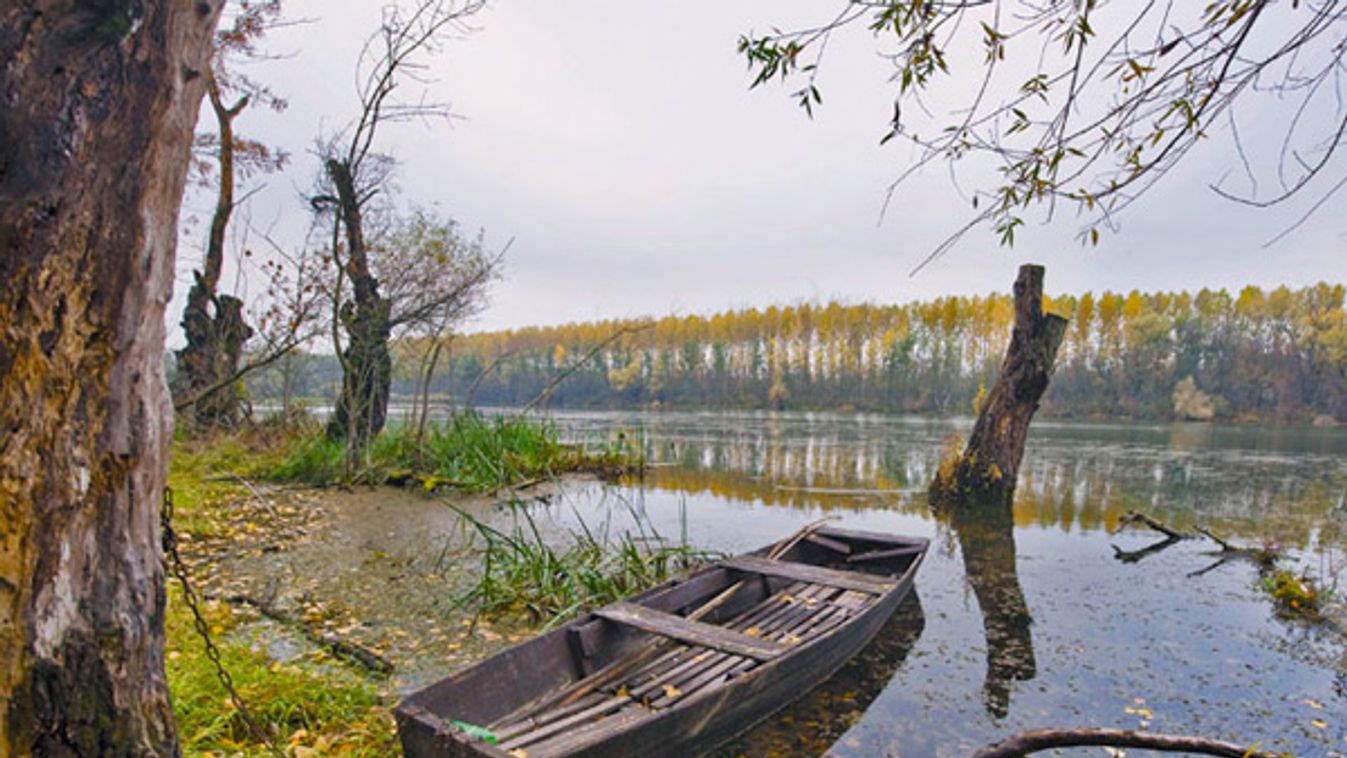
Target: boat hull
<point>696,725</point>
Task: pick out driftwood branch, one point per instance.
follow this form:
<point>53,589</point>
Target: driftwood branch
<point>1263,556</point>
<point>344,649</point>
<point>1172,537</point>
<point>1135,517</point>
<point>1037,740</point>
<point>1225,546</point>
<point>1133,556</point>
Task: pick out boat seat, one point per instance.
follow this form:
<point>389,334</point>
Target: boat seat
<point>692,632</point>
<point>801,572</point>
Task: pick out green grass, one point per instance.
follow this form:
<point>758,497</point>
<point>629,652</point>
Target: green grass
<point>471,452</point>
<point>204,473</point>
<point>521,572</point>
<point>311,705</point>
<point>307,704</point>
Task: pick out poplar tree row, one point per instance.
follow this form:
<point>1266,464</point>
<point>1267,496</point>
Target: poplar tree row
<point>1278,355</point>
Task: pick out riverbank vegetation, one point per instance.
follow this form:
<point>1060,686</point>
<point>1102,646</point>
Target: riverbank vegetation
<point>470,453</point>
<point>522,573</point>
<point>1256,355</point>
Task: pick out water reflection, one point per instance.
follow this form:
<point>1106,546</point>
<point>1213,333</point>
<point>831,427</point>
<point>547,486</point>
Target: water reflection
<point>986,537</point>
<point>1076,476</point>
<point>1103,641</point>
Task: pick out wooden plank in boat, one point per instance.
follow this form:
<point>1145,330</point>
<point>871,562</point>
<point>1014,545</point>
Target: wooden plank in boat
<point>835,545</point>
<point>846,580</point>
<point>881,555</point>
<point>695,632</point>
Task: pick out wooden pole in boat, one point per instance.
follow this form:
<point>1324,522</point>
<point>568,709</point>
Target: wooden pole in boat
<point>607,676</point>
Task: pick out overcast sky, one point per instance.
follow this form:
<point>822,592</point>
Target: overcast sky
<point>619,145</point>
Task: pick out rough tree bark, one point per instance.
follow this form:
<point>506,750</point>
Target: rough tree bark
<point>367,367</point>
<point>97,106</point>
<point>213,323</point>
<point>990,463</point>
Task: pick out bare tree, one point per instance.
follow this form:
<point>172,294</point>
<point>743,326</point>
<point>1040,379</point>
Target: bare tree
<point>100,100</point>
<point>1089,104</point>
<point>287,315</point>
<point>213,322</point>
<point>435,278</point>
<point>354,174</point>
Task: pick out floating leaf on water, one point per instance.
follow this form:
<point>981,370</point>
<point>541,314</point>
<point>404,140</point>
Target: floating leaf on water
<point>1315,704</point>
<point>1320,723</point>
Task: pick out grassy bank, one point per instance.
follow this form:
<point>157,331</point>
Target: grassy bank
<point>470,453</point>
<point>311,704</point>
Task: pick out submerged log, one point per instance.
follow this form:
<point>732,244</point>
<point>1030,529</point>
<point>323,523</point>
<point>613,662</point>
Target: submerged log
<point>1037,740</point>
<point>990,463</point>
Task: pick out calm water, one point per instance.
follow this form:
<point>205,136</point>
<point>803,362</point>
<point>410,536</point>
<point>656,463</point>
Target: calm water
<point>1026,620</point>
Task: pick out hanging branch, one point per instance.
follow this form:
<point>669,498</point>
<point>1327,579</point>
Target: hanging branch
<point>1115,97</point>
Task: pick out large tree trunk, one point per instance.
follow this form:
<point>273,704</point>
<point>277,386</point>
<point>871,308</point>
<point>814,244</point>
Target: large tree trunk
<point>97,106</point>
<point>990,464</point>
<point>213,323</point>
<point>367,366</point>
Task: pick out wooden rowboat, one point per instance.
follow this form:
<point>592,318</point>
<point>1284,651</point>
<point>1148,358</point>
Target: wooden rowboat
<point>677,669</point>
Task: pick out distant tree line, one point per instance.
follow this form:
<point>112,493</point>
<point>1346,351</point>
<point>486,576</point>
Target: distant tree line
<point>1278,355</point>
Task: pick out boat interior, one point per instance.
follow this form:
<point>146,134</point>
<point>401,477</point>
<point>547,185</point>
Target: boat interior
<point>627,661</point>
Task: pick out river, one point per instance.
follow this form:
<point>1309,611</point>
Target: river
<point>1027,620</point>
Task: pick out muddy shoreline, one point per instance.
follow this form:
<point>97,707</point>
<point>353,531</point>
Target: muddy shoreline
<point>376,567</point>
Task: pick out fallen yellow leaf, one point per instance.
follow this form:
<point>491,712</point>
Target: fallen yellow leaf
<point>671,691</point>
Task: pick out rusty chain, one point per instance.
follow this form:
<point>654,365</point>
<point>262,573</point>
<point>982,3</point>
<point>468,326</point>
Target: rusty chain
<point>189,596</point>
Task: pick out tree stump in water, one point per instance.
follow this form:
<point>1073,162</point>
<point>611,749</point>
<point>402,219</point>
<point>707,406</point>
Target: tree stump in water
<point>990,463</point>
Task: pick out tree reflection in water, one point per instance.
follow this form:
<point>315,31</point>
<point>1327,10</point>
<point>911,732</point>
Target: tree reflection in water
<point>986,536</point>
<point>811,725</point>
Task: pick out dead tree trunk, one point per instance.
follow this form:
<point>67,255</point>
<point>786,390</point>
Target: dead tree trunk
<point>367,366</point>
<point>97,106</point>
<point>990,463</point>
<point>213,323</point>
